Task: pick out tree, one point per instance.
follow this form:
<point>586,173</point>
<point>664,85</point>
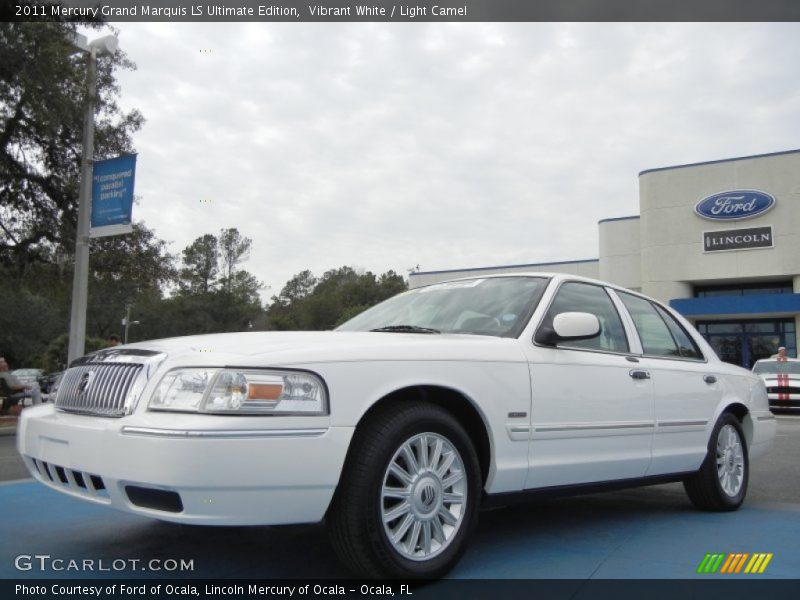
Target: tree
<point>42,100</point>
<point>233,249</point>
<point>124,268</point>
<point>27,322</point>
<point>200,259</point>
<point>306,302</point>
<point>54,358</point>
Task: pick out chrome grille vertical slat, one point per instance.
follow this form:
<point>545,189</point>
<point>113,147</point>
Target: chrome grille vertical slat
<point>105,398</point>
<point>96,396</point>
<point>119,387</point>
<point>128,384</point>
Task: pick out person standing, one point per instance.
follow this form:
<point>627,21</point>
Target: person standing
<point>18,391</point>
<point>781,355</point>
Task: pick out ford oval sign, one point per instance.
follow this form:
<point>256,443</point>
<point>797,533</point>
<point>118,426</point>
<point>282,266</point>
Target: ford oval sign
<point>736,204</point>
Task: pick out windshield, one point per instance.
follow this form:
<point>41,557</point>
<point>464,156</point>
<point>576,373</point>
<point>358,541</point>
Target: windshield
<point>763,367</point>
<point>498,306</point>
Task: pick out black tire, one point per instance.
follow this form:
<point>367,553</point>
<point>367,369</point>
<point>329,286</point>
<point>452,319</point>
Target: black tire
<point>705,488</point>
<point>355,517</point>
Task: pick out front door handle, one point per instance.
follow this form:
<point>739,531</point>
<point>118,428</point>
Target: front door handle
<point>709,379</point>
<point>639,374</point>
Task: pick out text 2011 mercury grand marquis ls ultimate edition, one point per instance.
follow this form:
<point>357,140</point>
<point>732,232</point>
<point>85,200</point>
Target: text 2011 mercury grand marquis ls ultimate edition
<point>398,425</point>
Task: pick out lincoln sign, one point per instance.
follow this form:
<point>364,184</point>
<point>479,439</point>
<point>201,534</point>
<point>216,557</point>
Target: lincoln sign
<point>737,239</point>
<point>735,204</point>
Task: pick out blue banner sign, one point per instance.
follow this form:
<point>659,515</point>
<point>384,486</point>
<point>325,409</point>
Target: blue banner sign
<point>735,204</point>
<point>112,195</point>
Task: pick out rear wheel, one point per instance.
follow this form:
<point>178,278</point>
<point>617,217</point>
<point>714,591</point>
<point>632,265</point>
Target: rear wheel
<point>408,497</point>
<point>721,482</point>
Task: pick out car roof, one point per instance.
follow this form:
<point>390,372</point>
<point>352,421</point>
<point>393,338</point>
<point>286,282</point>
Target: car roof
<point>787,359</point>
<point>549,275</point>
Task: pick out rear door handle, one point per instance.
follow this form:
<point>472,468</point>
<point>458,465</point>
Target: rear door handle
<point>639,374</point>
<point>709,379</point>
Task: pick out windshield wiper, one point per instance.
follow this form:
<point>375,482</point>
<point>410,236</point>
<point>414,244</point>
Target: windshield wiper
<point>406,329</point>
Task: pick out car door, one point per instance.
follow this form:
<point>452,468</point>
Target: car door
<point>687,390</point>
<point>592,412</point>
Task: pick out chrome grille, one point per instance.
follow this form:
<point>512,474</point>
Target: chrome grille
<point>98,388</point>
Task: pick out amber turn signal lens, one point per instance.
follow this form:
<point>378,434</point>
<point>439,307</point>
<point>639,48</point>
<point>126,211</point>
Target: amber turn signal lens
<point>264,391</point>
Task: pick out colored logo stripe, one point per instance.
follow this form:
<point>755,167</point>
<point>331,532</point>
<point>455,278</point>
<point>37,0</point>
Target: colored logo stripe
<point>783,381</point>
<point>734,562</point>
<point>758,563</point>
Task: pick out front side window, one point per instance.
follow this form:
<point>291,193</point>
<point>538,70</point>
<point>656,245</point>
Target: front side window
<point>494,306</point>
<point>575,296</point>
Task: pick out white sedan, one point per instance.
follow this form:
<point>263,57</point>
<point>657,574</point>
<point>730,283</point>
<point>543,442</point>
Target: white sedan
<point>782,378</point>
<point>399,425</point>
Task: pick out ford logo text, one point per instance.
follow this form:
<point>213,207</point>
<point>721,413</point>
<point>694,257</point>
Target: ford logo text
<point>736,204</point>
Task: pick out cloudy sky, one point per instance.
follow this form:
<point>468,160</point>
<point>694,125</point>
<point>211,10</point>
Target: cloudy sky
<point>385,146</point>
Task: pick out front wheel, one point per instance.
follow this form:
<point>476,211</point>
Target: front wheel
<point>408,498</point>
<point>721,482</point>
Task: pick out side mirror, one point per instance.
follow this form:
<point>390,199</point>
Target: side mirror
<point>569,326</point>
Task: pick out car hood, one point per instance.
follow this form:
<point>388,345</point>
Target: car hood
<point>291,347</point>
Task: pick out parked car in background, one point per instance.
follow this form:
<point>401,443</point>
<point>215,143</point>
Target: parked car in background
<point>28,376</point>
<point>782,378</point>
<point>30,379</point>
<point>398,425</point>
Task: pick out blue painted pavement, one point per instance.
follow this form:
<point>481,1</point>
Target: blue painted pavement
<point>646,533</point>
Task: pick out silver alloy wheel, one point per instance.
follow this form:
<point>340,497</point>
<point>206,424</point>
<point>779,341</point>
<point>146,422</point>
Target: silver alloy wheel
<point>424,496</point>
<point>730,460</point>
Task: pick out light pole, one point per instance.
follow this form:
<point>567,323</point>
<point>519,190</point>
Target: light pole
<point>80,282</point>
<point>127,322</point>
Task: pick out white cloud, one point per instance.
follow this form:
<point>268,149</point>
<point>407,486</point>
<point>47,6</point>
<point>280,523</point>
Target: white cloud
<point>444,145</point>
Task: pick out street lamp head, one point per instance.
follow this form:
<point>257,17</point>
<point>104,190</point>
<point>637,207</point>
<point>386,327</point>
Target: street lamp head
<point>105,45</point>
<point>80,42</point>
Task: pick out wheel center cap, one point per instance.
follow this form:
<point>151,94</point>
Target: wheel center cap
<point>426,496</point>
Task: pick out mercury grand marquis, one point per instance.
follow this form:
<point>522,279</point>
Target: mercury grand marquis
<point>396,427</point>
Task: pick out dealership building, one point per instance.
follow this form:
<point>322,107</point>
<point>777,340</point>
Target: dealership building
<point>718,241</point>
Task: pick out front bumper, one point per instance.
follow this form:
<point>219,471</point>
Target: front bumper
<point>224,470</point>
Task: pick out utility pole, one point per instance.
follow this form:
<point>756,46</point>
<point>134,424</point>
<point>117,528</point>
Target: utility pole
<point>127,322</point>
<point>80,280</point>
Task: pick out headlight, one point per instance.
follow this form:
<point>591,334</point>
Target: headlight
<point>241,391</point>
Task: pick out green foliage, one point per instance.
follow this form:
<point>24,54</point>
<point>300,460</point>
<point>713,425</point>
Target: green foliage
<point>185,314</point>
<point>27,321</point>
<point>200,265</point>
<point>123,269</point>
<point>308,303</point>
<point>233,249</point>
<point>54,358</point>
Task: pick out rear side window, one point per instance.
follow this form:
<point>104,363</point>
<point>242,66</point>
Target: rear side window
<point>658,331</point>
<point>686,345</point>
<point>585,297</point>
